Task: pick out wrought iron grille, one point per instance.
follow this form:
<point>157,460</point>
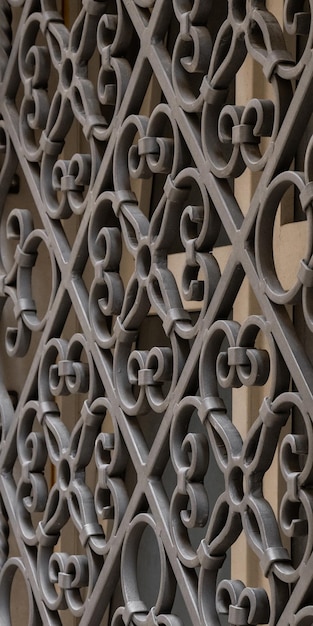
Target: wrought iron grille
<point>151,192</point>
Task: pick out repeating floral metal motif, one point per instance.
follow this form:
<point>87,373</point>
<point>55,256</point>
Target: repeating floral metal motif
<point>105,400</point>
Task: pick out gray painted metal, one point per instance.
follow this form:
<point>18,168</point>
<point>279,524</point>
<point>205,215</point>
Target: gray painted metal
<point>130,405</point>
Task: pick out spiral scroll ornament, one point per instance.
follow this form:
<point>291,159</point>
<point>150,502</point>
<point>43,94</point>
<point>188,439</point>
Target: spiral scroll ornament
<point>156,349</point>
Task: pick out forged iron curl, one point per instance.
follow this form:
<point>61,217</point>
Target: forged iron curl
<point>118,430</point>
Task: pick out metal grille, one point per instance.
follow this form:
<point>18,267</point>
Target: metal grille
<point>124,127</point>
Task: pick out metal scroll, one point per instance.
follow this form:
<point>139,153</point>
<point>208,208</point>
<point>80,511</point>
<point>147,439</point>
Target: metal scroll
<point>133,145</point>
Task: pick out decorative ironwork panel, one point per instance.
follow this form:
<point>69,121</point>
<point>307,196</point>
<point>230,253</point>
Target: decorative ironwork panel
<point>125,129</point>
